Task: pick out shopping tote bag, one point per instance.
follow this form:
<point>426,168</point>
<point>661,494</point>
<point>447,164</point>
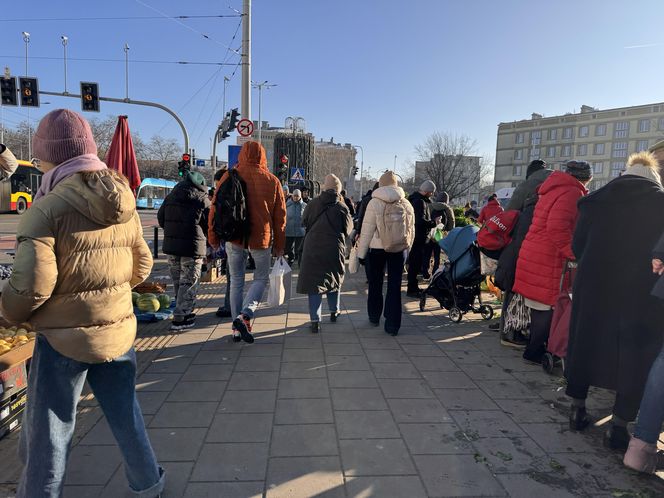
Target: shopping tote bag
<point>276,296</point>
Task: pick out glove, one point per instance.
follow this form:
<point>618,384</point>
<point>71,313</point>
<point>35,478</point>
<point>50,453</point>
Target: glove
<point>362,261</point>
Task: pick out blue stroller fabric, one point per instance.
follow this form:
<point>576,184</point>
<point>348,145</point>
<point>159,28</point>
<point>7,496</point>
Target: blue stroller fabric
<point>463,262</point>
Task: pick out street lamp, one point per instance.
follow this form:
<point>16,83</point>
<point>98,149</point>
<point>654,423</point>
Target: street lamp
<point>65,40</point>
<point>260,87</point>
<point>26,39</point>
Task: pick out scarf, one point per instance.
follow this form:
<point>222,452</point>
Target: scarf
<point>78,164</point>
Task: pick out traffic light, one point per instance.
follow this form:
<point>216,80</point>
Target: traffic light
<point>90,96</point>
<point>354,170</point>
<point>8,91</point>
<point>184,166</point>
<point>234,118</point>
<point>282,172</point>
<point>29,92</point>
<point>229,123</point>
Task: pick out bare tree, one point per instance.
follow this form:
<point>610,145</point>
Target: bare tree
<point>102,131</point>
<point>449,166</point>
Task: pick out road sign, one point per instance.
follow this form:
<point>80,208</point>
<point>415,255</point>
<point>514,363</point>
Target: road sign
<point>297,174</point>
<point>245,127</point>
<point>200,163</point>
<point>233,154</point>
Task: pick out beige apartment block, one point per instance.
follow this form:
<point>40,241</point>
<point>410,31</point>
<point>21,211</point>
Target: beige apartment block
<point>604,138</point>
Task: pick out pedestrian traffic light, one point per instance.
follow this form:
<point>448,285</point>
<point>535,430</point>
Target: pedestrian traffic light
<point>8,91</point>
<point>29,92</point>
<point>90,96</point>
<point>184,166</point>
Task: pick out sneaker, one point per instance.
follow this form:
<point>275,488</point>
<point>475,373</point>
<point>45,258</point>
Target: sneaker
<point>236,336</point>
<point>242,324</point>
<point>315,327</point>
<point>185,324</point>
<point>641,456</point>
<point>223,313</point>
<point>190,316</point>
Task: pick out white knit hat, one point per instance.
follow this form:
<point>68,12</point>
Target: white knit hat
<point>645,165</point>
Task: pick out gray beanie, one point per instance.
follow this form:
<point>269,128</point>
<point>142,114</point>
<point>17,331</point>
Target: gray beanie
<point>443,196</point>
<point>427,186</point>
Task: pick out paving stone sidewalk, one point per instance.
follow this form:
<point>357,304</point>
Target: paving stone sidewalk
<point>440,410</point>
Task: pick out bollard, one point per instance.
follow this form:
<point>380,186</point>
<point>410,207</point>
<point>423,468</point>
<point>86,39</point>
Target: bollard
<point>155,245</point>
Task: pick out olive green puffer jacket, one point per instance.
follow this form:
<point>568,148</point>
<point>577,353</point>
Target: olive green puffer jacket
<point>80,252</point>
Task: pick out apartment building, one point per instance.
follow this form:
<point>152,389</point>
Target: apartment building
<point>604,138</point>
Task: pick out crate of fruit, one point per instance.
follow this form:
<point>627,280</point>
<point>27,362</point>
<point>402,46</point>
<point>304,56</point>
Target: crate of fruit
<point>149,307</point>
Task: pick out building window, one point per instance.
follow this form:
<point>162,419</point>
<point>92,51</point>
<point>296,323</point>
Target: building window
<point>550,152</point>
<point>535,153</point>
<point>568,133</point>
<point>518,139</point>
<point>566,151</point>
<point>620,149</point>
<point>617,168</point>
<point>644,125</point>
<point>518,154</point>
<point>621,129</point>
<point>641,145</point>
<point>598,150</point>
<point>536,137</point>
<point>598,168</point>
<point>583,131</point>
<point>660,124</point>
<point>516,170</point>
<point>582,150</point>
<point>553,134</point>
<point>600,130</point>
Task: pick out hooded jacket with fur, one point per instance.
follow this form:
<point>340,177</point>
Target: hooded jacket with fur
<point>369,237</point>
<point>80,252</point>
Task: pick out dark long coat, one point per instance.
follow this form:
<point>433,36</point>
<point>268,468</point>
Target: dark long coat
<point>616,327</point>
<point>328,223</point>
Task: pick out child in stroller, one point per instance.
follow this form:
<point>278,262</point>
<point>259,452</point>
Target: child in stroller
<point>456,286</point>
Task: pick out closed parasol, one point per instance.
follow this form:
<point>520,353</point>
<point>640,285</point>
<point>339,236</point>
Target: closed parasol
<point>121,156</point>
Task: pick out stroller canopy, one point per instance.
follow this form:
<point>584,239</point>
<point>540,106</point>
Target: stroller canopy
<point>455,245</point>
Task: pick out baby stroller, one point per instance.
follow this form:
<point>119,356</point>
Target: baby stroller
<point>457,285</point>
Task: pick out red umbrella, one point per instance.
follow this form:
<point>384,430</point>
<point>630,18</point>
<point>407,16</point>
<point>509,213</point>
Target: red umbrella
<point>121,156</point>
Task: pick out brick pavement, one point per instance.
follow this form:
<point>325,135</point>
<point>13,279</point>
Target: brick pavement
<point>440,410</point>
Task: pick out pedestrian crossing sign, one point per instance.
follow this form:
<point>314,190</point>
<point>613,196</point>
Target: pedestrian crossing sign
<point>297,175</point>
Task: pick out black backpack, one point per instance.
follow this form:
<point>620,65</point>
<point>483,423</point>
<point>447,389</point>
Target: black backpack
<point>231,219</point>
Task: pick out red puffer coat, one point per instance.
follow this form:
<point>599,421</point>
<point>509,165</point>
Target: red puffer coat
<point>549,240</point>
<point>492,208</point>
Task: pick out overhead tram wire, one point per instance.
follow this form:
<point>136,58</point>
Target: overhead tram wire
<point>126,18</point>
<point>131,61</point>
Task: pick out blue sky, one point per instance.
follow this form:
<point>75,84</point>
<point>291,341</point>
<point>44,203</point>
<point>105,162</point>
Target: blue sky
<point>379,73</point>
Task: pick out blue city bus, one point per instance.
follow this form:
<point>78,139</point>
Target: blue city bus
<point>152,192</point>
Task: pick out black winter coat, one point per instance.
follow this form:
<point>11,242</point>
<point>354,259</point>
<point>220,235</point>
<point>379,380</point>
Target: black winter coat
<point>658,253</point>
<point>423,222</point>
<point>616,326</point>
<point>328,223</point>
<point>361,210</point>
<point>182,216</point>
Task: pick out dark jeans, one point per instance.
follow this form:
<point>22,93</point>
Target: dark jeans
<point>540,325</point>
<point>625,407</point>
<point>293,250</point>
<point>378,261</point>
<point>415,264</point>
<point>431,249</point>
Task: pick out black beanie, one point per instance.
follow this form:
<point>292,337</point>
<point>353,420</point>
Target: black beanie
<point>535,165</point>
<point>580,170</point>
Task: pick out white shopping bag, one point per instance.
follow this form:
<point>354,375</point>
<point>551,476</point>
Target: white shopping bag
<point>276,296</point>
<point>353,260</point>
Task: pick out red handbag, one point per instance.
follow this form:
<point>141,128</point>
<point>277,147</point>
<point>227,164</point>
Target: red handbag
<point>562,314</point>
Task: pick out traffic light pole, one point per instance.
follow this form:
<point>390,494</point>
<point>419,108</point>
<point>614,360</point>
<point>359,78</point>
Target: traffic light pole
<point>245,109</point>
<point>133,102</point>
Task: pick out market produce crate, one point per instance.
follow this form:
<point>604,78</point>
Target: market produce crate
<point>11,409</point>
<point>13,369</point>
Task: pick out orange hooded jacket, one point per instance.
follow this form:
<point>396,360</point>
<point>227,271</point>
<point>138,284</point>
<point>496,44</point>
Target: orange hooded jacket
<point>265,201</point>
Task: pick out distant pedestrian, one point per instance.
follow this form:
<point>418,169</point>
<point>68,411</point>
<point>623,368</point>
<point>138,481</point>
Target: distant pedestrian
<point>421,201</point>
<point>616,325</point>
<point>287,194</point>
<point>545,249</point>
<point>361,210</point>
<point>294,229</point>
<point>349,203</point>
<point>266,235</point>
<point>305,195</point>
<point>470,211</point>
<point>80,252</point>
<point>389,219</point>
<point>327,224</point>
<point>442,214</point>
<point>491,209</point>
<point>8,162</point>
<point>182,215</point>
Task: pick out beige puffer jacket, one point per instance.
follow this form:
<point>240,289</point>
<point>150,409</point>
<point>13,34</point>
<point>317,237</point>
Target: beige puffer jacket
<point>80,252</point>
<point>369,237</point>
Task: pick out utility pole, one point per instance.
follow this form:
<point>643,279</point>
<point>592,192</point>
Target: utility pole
<point>260,87</point>
<point>245,110</point>
<point>65,39</point>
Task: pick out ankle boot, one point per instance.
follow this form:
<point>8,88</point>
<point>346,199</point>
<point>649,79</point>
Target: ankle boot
<point>578,418</point>
<point>641,456</point>
<point>315,327</point>
<point>616,437</point>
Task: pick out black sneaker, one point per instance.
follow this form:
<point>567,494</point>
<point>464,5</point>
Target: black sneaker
<point>237,337</point>
<point>190,316</point>
<point>333,316</point>
<point>185,324</point>
<point>223,313</point>
<point>243,325</point>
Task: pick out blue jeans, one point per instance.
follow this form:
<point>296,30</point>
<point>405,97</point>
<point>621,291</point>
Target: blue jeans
<point>54,389</point>
<point>237,262</point>
<point>316,304</point>
<point>651,413</point>
<point>379,261</point>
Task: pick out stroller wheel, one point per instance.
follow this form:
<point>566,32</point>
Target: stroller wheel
<point>548,363</point>
<point>486,311</point>
<point>455,314</point>
<point>423,301</point>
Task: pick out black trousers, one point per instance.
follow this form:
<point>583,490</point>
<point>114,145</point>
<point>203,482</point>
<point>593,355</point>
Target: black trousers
<point>540,325</point>
<point>293,250</point>
<point>625,407</point>
<point>415,264</point>
<point>379,260</point>
<point>431,248</point>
